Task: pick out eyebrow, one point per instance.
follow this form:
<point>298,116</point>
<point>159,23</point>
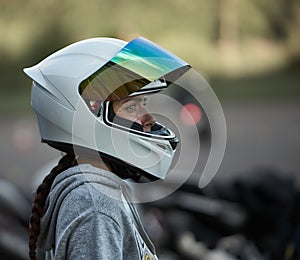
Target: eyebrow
<point>137,99</point>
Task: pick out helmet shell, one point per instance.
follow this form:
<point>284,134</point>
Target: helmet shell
<point>64,117</point>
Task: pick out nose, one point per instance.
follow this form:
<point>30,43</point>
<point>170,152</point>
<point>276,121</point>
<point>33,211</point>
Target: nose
<point>147,121</point>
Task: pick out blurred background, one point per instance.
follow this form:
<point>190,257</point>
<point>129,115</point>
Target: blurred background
<point>248,50</point>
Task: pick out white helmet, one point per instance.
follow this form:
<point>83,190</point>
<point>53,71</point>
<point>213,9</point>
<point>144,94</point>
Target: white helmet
<point>73,89</point>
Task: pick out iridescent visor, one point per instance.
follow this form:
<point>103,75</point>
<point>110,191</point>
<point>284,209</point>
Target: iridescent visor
<point>140,67</point>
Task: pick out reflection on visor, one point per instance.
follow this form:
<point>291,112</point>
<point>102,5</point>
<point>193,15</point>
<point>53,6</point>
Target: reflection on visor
<point>134,69</point>
<point>147,59</point>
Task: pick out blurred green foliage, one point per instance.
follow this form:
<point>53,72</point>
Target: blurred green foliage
<point>234,43</point>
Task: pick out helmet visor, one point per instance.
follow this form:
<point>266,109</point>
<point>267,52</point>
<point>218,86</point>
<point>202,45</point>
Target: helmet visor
<point>140,67</point>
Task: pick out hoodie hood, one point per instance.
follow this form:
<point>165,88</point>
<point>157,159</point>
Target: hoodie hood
<point>66,182</point>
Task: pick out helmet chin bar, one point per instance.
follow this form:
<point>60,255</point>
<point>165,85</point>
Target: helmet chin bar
<point>120,168</point>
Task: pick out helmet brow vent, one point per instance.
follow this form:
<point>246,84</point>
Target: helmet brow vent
<point>162,146</point>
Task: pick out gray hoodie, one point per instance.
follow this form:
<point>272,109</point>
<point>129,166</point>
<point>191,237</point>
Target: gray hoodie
<point>86,217</point>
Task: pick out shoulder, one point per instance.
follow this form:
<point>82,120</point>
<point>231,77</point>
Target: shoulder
<point>93,197</point>
<point>94,194</point>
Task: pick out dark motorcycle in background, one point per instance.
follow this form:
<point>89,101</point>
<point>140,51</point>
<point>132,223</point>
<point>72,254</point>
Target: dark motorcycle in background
<point>15,208</point>
<point>252,216</point>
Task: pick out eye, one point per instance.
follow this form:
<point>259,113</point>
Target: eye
<point>131,108</point>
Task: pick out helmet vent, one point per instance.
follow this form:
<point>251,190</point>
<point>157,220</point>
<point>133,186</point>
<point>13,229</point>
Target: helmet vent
<point>162,146</point>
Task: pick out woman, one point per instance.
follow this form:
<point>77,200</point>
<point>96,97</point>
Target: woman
<point>89,99</point>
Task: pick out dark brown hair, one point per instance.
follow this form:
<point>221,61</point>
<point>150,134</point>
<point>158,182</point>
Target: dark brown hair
<point>42,193</point>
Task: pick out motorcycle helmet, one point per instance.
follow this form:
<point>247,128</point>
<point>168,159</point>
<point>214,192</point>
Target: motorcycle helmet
<point>74,88</point>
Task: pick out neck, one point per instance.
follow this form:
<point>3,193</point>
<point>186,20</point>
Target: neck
<point>96,162</point>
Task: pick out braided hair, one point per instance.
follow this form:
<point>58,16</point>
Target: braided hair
<point>38,206</point>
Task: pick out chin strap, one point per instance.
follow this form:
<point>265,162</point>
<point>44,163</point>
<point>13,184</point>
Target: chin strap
<point>123,172</point>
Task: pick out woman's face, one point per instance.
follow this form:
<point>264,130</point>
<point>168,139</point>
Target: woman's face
<point>133,109</point>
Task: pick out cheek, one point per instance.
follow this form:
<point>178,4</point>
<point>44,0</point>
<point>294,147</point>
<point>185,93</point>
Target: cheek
<point>129,116</point>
